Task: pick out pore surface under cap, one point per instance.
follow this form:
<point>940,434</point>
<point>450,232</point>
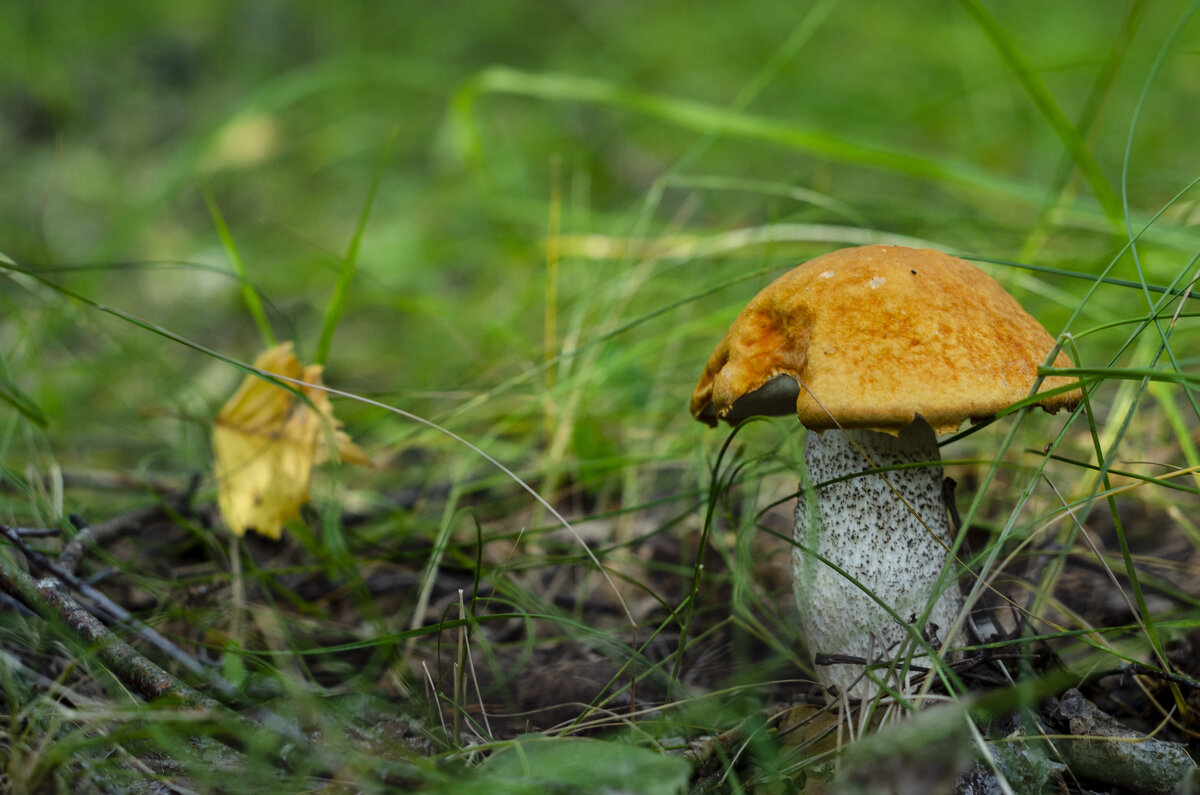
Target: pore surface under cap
<point>876,336</point>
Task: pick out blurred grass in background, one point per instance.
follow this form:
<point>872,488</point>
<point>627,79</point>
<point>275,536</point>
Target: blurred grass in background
<point>576,198</point>
<point>113,114</point>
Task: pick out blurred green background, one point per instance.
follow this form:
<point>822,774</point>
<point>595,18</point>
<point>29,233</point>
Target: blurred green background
<point>682,146</point>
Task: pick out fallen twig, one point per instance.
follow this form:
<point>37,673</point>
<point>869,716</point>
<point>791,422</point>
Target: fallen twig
<point>115,612</point>
<point>117,526</point>
<point>72,553</point>
<point>1137,669</point>
<point>37,532</point>
<point>50,599</point>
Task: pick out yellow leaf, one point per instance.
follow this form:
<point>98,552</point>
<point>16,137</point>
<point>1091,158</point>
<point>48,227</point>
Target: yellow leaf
<point>266,440</point>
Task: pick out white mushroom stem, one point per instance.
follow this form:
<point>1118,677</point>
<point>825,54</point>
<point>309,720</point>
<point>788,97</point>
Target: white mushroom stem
<point>888,530</point>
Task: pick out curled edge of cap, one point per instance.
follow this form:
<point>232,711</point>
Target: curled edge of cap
<point>758,367</point>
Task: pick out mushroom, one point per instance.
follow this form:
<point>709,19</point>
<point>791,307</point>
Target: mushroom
<point>878,350</point>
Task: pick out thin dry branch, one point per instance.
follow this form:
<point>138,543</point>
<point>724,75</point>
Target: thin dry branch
<point>113,611</point>
<point>117,526</point>
<point>89,535</point>
<point>51,600</point>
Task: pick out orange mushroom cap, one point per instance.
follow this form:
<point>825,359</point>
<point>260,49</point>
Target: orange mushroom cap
<point>872,337</point>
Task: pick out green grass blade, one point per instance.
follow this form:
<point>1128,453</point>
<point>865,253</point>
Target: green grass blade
<point>705,118</point>
<point>341,291</point>
<point>1050,110</point>
<point>249,294</point>
<point>1145,92</point>
<point>13,396</point>
<point>1175,418</point>
<point>1064,182</point>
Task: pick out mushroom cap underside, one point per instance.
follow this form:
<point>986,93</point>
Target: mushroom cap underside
<point>872,337</point>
